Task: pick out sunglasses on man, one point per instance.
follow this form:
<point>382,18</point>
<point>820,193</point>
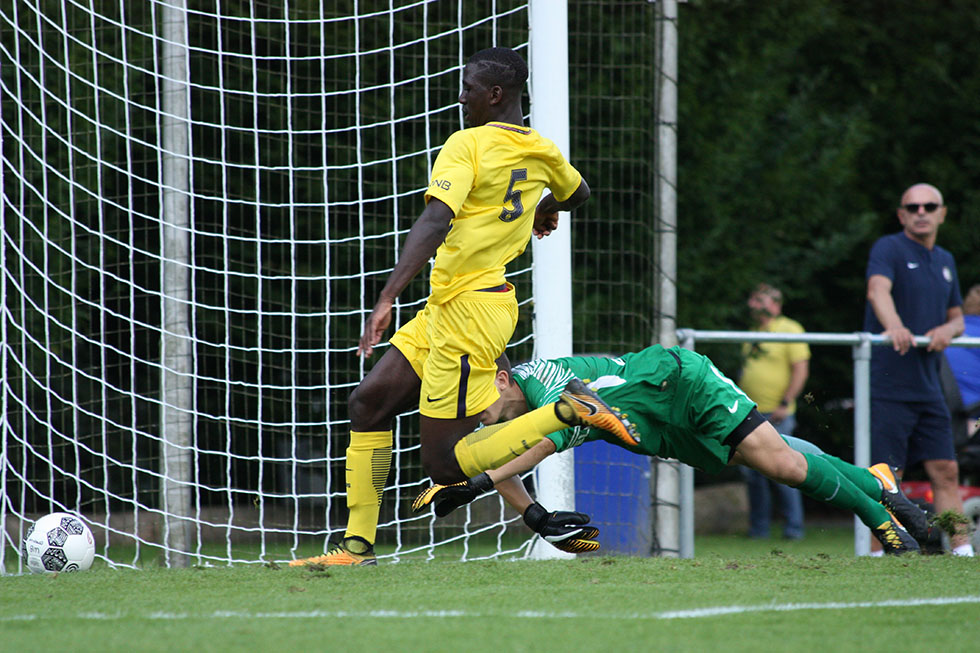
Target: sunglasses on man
<point>914,208</point>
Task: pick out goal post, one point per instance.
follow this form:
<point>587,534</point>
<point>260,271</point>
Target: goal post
<point>673,481</point>
<point>177,375</point>
<point>555,475</point>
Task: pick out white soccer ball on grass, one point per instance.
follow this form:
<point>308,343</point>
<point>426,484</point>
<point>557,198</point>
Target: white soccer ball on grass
<point>58,542</point>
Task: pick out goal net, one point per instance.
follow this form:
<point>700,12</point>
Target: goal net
<point>201,201</point>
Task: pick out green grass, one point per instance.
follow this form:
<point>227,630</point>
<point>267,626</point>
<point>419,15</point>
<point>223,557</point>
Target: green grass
<point>593,603</point>
<point>832,538</point>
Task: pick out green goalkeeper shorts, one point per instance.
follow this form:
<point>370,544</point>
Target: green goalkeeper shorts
<point>683,406</point>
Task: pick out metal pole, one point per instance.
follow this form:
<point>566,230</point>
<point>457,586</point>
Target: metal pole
<point>862,428</point>
<point>177,375</point>
<point>674,482</point>
<point>686,503</point>
<point>552,274</point>
<point>666,148</point>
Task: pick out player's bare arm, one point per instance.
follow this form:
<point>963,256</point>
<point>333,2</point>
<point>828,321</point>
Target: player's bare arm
<point>504,479</point>
<point>880,296</point>
<point>799,373</point>
<point>423,239</point>
<point>565,530</point>
<point>514,493</point>
<point>546,213</point>
<point>942,335</point>
<point>524,462</point>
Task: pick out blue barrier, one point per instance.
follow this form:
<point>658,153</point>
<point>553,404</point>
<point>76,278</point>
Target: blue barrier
<point>613,486</point>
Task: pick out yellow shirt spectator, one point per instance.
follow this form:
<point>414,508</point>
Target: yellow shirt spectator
<point>768,365</point>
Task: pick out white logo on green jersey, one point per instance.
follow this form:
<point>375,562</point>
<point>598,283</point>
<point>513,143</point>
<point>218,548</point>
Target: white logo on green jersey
<point>607,381</point>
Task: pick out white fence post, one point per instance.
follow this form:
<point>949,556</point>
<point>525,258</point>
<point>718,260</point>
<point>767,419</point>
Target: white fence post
<point>862,428</point>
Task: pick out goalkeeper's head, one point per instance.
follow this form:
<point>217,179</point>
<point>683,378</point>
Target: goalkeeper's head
<point>511,402</point>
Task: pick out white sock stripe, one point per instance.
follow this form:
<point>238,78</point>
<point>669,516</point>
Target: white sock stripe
<point>836,490</point>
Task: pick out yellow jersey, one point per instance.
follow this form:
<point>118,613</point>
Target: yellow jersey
<point>492,177</point>
<point>768,365</point>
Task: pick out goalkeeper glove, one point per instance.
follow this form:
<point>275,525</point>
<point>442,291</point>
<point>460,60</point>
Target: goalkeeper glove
<point>564,530</point>
<point>449,497</point>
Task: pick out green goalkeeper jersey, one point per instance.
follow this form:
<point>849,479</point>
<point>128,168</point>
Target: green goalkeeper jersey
<point>682,406</point>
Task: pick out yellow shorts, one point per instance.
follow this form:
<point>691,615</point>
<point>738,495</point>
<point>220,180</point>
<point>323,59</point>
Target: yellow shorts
<point>453,347</point>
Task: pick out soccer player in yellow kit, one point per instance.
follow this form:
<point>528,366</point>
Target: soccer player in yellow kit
<point>482,206</point>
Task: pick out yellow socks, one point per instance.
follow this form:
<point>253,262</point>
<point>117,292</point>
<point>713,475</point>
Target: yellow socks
<point>492,446</point>
<point>368,463</point>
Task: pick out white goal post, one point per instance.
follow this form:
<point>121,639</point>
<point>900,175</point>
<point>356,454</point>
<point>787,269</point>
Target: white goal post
<point>201,201</point>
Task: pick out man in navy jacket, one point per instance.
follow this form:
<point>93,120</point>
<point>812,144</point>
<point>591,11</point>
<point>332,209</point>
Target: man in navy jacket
<point>913,289</point>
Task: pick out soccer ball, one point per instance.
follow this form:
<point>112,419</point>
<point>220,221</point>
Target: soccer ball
<point>58,542</point>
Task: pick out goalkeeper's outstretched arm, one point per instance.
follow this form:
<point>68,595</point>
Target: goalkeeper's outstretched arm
<point>513,491</point>
<point>507,478</point>
<point>526,461</point>
<point>565,530</point>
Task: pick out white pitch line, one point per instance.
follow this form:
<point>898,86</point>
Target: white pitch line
<point>793,607</point>
<point>695,613</point>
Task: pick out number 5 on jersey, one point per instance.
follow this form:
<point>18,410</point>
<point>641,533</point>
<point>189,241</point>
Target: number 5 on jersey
<point>513,196</point>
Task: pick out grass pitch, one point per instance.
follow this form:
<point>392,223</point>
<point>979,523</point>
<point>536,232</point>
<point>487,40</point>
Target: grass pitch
<point>737,595</point>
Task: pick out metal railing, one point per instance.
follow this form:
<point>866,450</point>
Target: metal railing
<point>861,344</point>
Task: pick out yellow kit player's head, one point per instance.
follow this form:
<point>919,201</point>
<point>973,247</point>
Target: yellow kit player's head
<point>493,81</point>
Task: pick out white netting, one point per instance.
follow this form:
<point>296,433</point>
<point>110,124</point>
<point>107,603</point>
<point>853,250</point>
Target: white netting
<point>200,205</point>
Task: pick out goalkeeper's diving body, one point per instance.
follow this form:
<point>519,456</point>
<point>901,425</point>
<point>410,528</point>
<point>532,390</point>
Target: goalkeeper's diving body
<point>682,407</point>
<point>482,207</point>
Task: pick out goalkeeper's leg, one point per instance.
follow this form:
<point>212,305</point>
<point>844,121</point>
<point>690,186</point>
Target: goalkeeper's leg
<point>879,483</point>
<point>816,477</point>
<point>825,483</point>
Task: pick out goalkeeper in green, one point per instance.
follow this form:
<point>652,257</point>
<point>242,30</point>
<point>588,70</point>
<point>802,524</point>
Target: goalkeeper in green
<point>683,407</point>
